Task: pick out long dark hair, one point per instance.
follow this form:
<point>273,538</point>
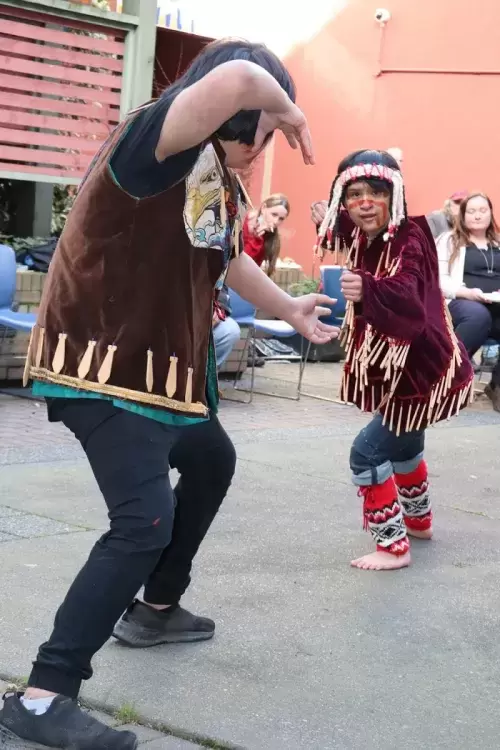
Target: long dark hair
<point>460,235</point>
<point>272,240</point>
<point>243,125</point>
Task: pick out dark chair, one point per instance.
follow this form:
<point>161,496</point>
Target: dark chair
<point>330,285</point>
<point>244,314</point>
<point>483,367</point>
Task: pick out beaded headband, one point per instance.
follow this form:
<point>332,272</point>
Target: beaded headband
<point>364,172</point>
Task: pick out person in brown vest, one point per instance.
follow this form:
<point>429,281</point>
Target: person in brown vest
<point>123,353</point>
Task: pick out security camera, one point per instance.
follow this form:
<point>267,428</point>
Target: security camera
<point>382,15</point>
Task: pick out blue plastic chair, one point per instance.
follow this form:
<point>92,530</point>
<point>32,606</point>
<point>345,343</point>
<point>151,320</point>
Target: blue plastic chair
<point>244,313</point>
<point>241,311</point>
<point>490,342</point>
<point>330,284</point>
<point>330,281</point>
<point>8,318</point>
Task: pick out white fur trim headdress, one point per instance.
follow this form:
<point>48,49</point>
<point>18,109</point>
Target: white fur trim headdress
<point>364,172</point>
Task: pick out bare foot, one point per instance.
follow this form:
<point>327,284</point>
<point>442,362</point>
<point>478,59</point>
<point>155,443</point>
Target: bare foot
<point>382,561</point>
<point>423,534</point>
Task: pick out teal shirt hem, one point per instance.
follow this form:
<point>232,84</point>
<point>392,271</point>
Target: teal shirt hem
<point>52,390</point>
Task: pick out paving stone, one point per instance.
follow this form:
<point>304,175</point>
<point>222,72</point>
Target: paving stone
<point>15,523</point>
<point>170,743</point>
<point>6,537</point>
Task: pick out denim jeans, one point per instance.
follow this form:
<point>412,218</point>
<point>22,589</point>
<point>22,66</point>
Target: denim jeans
<point>226,334</point>
<point>377,453</point>
<point>474,323</point>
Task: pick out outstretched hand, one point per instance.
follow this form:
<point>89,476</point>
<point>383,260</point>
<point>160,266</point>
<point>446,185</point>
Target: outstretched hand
<point>306,316</point>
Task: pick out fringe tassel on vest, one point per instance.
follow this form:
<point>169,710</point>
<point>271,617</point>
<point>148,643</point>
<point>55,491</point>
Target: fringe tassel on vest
<point>149,371</point>
<point>171,384</point>
<point>104,373</point>
<point>39,348</point>
<point>86,361</point>
<point>59,354</point>
<point>189,386</point>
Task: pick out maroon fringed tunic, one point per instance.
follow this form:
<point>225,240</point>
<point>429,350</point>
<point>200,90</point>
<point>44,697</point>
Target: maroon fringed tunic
<point>402,356</point>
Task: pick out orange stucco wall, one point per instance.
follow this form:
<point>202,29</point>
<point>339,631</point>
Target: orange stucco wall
<point>447,124</point>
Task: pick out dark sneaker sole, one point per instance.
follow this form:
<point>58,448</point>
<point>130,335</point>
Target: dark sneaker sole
<point>9,740</point>
<point>133,639</point>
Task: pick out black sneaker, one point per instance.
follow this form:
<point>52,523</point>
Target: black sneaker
<point>142,626</point>
<point>64,725</point>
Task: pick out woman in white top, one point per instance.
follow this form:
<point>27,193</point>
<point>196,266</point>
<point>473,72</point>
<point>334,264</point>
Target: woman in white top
<point>469,269</point>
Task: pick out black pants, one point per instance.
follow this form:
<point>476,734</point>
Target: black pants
<point>474,323</point>
<point>154,531</point>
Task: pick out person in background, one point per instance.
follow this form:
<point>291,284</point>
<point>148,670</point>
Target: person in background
<point>469,269</point>
<point>397,155</point>
<point>443,220</point>
<point>261,237</point>
<point>226,331</point>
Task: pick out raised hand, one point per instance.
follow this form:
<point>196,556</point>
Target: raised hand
<point>293,124</point>
<point>318,211</point>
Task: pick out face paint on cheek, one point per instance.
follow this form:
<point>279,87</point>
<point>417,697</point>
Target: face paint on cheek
<point>354,203</point>
<point>384,210</point>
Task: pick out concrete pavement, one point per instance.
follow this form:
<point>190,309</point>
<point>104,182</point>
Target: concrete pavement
<point>309,654</point>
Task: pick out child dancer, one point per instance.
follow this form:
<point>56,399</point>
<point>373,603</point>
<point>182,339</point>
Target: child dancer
<point>403,362</point>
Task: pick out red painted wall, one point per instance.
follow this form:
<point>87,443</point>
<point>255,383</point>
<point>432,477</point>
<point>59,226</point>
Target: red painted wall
<point>446,123</point>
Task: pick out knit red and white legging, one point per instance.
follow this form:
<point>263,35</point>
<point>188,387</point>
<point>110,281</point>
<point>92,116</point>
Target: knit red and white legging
<point>400,503</point>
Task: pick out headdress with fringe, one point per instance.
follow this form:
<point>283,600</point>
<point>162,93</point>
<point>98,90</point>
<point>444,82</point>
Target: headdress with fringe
<point>363,171</point>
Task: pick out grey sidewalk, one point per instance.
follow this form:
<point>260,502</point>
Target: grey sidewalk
<point>309,654</point>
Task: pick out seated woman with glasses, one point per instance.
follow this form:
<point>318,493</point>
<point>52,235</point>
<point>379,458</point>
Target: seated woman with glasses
<point>469,267</point>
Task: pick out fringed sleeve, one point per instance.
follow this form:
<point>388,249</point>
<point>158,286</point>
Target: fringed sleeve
<point>395,304</point>
<point>336,240</point>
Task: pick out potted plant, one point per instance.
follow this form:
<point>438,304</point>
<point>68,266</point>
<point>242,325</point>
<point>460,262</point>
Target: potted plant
<point>331,352</point>
<point>307,285</point>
